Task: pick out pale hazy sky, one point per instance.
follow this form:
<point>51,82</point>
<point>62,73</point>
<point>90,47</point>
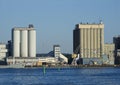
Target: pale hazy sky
<point>54,20</point>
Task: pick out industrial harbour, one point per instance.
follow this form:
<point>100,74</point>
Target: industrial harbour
<point>59,42</point>
<point>20,51</point>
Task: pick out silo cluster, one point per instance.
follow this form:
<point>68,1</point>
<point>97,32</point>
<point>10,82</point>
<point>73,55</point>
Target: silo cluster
<point>24,42</point>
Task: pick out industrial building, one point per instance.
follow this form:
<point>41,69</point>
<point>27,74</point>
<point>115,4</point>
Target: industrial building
<point>52,58</point>
<point>57,55</point>
<point>109,52</point>
<point>88,41</point>
<point>22,49</point>
<point>3,51</point>
<point>116,41</point>
<point>56,50</point>
<point>24,41</point>
<point>9,47</point>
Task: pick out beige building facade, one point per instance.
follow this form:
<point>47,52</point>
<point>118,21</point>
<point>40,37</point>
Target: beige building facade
<point>88,40</point>
<point>109,49</point>
<point>109,52</point>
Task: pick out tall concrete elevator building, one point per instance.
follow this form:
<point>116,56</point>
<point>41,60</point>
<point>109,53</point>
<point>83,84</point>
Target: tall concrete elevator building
<point>88,40</point>
<point>24,41</point>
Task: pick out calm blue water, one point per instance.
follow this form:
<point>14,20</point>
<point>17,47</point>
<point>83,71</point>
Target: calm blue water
<point>66,76</point>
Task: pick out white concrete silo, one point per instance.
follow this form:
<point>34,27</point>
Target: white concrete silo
<point>24,43</point>
<point>32,43</point>
<point>16,42</point>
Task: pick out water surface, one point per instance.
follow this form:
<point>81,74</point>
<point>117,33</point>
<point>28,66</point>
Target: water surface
<point>62,76</point>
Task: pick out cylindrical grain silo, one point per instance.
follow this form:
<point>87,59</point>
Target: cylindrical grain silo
<point>16,42</point>
<point>24,43</point>
<point>32,43</point>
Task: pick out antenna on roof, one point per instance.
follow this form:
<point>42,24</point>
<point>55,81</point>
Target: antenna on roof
<point>31,26</point>
<point>101,22</point>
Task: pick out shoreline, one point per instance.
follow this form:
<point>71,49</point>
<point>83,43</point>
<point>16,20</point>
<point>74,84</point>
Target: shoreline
<point>59,66</point>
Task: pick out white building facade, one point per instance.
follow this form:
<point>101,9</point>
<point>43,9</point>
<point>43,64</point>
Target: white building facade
<point>3,51</point>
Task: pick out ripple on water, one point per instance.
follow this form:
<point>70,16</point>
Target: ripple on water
<point>64,76</point>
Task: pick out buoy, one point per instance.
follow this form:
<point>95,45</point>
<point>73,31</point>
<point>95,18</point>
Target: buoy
<point>44,70</point>
<point>58,68</point>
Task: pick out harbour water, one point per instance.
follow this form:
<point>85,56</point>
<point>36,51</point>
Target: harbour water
<point>60,76</point>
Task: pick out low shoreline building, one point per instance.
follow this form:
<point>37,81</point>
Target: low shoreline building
<point>3,51</point>
<point>109,50</point>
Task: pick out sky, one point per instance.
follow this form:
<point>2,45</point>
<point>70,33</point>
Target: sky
<point>55,20</point>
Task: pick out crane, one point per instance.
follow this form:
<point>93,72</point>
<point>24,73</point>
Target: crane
<point>75,55</point>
